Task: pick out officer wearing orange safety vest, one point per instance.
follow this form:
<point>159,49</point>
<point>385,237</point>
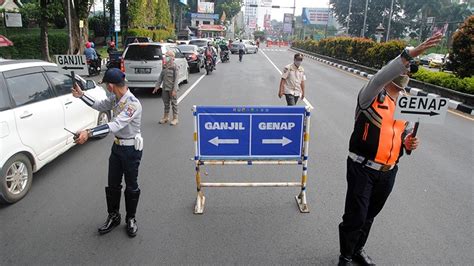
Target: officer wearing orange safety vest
<point>375,147</point>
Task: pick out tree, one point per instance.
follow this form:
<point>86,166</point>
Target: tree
<point>163,14</point>
<point>80,10</point>
<point>230,7</point>
<point>44,30</point>
<point>377,12</point>
<point>462,55</point>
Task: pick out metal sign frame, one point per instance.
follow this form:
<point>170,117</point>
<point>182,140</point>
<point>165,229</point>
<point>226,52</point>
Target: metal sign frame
<point>303,160</point>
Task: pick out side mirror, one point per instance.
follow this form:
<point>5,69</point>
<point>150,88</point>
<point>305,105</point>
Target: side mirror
<point>90,84</point>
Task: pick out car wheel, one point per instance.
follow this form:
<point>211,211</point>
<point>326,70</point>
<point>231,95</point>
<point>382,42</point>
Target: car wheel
<point>187,77</point>
<point>16,177</point>
<point>102,119</point>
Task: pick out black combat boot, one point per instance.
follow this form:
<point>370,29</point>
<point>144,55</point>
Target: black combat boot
<point>113,206</point>
<point>131,202</point>
<point>362,258</point>
<point>347,244</point>
<point>360,255</point>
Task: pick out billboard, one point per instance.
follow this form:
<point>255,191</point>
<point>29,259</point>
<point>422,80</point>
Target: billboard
<point>315,16</point>
<point>252,23</point>
<point>117,15</point>
<point>205,6</point>
<point>287,22</point>
<point>267,22</point>
<point>266,3</point>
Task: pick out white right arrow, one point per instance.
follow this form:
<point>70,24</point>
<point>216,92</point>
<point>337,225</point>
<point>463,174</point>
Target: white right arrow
<point>283,141</point>
<point>216,141</point>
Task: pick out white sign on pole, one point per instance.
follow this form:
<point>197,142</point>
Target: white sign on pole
<point>68,63</point>
<point>424,109</point>
<point>117,15</point>
<point>13,20</point>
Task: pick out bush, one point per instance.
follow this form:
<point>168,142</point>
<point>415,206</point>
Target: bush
<point>26,46</point>
<point>446,80</point>
<point>99,25</point>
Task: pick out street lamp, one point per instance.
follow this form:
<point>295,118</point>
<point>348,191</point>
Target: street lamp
<point>379,32</point>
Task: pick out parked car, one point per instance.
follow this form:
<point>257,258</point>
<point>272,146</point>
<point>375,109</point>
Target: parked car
<point>179,42</point>
<point>199,42</point>
<point>36,105</point>
<point>142,63</point>
<point>436,61</point>
<point>194,57</point>
<point>250,47</point>
<point>425,59</point>
<point>136,39</point>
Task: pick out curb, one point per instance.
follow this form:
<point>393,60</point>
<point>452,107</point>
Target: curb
<point>455,105</point>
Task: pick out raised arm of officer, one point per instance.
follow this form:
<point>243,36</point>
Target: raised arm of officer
<point>102,105</point>
<point>393,69</point>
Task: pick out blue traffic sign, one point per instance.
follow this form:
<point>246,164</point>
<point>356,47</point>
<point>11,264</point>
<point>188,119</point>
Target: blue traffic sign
<point>252,132</point>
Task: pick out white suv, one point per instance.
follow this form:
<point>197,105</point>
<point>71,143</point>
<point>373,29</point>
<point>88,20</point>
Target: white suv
<point>143,62</point>
<point>36,104</point>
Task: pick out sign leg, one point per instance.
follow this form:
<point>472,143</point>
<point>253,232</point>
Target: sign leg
<point>200,199</point>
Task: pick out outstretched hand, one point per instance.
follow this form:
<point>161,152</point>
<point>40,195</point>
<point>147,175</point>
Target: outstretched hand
<point>430,42</point>
<point>76,91</point>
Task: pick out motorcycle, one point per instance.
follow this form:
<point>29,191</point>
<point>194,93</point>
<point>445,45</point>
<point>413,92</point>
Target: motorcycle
<point>114,60</point>
<point>225,56</point>
<point>94,66</point>
<point>208,65</point>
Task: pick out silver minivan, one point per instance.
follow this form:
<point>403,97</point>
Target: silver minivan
<point>142,63</point>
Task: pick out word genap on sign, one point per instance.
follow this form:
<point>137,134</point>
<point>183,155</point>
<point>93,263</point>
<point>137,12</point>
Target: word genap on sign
<point>276,125</point>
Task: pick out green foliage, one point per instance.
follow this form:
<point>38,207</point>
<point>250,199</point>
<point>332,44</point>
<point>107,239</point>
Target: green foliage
<point>149,13</point>
<point>30,13</point>
<point>446,80</point>
<point>26,45</point>
<point>230,7</point>
<point>462,56</point>
<point>99,25</point>
<point>369,53</point>
<point>156,35</point>
<point>358,50</point>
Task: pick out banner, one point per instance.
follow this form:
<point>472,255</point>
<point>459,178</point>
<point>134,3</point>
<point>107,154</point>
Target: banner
<point>204,16</point>
<point>315,16</point>
<point>205,6</point>
<point>266,3</point>
<point>117,15</point>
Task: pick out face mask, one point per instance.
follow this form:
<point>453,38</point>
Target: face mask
<point>167,59</point>
<point>298,63</point>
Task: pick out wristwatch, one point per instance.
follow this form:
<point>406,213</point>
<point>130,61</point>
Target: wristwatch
<point>406,55</point>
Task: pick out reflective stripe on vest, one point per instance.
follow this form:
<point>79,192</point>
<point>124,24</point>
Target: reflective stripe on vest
<point>377,136</point>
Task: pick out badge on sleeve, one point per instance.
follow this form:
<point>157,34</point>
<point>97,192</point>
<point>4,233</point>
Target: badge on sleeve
<point>131,109</point>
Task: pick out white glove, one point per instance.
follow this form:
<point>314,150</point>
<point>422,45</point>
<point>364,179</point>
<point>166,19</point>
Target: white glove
<point>138,142</point>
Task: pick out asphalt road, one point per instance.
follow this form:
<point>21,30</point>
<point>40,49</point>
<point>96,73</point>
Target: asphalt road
<point>428,218</point>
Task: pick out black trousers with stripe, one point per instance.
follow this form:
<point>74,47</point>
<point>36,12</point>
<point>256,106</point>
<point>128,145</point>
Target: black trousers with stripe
<point>367,192</point>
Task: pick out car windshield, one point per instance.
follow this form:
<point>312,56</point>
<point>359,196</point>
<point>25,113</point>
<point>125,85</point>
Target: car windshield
<point>143,52</point>
<point>187,48</point>
<point>199,43</point>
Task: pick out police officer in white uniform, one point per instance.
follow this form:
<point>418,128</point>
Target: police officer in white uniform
<point>127,148</point>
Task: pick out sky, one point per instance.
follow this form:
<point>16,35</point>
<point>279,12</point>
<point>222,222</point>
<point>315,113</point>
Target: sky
<point>277,13</point>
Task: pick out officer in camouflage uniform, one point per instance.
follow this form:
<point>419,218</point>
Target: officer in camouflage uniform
<point>169,78</point>
<point>127,149</point>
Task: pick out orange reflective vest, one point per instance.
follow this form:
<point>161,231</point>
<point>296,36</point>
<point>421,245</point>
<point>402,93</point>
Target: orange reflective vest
<point>377,136</point>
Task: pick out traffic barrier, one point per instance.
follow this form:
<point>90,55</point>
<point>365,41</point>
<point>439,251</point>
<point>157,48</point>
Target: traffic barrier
<point>251,135</point>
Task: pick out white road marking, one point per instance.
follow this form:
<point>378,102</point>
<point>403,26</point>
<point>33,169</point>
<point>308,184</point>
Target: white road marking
<point>279,71</point>
<point>191,88</point>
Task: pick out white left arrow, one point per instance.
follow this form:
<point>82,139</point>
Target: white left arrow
<point>216,141</point>
<point>283,141</point>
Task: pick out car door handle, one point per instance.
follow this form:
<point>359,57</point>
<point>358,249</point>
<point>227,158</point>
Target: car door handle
<point>26,115</point>
<point>68,103</point>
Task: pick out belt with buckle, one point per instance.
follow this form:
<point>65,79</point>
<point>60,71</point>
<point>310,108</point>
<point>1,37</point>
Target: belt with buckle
<point>369,163</point>
<point>124,142</point>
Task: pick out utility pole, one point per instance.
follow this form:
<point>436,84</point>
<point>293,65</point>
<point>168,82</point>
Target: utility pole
<point>69,25</point>
<point>293,29</point>
<point>389,22</point>
<point>362,31</point>
<point>348,18</point>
